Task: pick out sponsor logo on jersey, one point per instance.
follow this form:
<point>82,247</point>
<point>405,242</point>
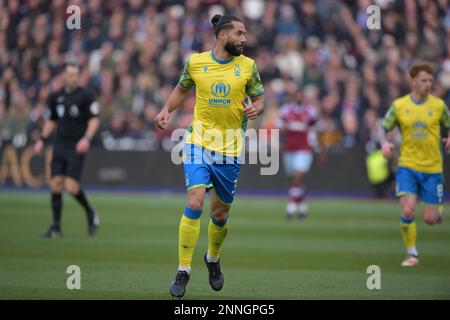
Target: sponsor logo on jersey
<point>220,91</point>
<point>420,125</point>
<point>419,130</point>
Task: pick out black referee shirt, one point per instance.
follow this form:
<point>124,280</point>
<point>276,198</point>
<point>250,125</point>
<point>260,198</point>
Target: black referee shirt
<point>72,111</point>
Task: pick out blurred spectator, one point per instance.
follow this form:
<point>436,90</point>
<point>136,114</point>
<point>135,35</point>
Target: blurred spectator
<point>132,54</point>
<point>380,171</point>
<point>14,126</point>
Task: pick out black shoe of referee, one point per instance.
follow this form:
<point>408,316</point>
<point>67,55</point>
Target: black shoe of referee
<point>215,274</point>
<point>178,287</point>
<point>93,226</point>
<point>53,232</point>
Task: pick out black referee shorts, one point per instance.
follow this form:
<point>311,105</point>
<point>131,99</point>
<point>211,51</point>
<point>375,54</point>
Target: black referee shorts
<point>67,162</point>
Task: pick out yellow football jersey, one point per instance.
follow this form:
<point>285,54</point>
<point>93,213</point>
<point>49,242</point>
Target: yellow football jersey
<point>420,126</point>
<point>221,86</point>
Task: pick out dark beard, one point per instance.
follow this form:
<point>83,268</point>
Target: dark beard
<point>232,49</point>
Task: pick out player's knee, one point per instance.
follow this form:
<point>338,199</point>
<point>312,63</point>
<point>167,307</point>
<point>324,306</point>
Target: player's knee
<point>56,185</point>
<point>430,213</point>
<point>72,188</point>
<point>430,217</point>
<point>195,203</point>
<point>221,218</point>
<point>408,210</point>
<point>220,214</point>
<point>408,213</point>
<point>429,220</point>
<point>297,177</point>
<point>57,188</point>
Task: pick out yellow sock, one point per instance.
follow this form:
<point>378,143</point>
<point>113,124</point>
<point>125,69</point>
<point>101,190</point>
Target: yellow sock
<point>409,233</point>
<point>188,236</point>
<point>216,238</point>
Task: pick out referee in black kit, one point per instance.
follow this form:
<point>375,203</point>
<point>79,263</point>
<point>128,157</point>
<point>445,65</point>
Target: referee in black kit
<point>73,111</point>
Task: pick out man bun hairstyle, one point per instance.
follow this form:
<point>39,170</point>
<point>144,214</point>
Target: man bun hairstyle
<point>220,22</point>
<point>215,19</point>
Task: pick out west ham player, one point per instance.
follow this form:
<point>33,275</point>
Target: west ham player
<point>296,119</point>
<point>73,112</point>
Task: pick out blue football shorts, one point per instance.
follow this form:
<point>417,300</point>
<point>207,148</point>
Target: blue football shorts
<point>204,168</point>
<point>428,187</point>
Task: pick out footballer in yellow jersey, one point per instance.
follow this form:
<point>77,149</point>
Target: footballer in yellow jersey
<point>221,86</point>
<point>228,93</point>
<point>420,117</point>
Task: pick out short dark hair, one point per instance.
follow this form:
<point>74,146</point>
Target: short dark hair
<point>71,64</point>
<point>421,66</point>
<point>223,22</point>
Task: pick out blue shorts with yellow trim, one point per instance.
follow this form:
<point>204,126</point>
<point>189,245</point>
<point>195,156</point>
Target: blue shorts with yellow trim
<point>428,187</point>
<point>208,169</point>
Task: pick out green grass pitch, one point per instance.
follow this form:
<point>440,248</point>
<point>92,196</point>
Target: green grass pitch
<point>134,255</point>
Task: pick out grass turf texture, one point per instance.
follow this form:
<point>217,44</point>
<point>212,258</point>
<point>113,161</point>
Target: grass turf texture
<point>134,255</point>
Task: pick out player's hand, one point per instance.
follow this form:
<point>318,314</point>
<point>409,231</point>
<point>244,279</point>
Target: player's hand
<point>250,111</point>
<point>446,144</point>
<point>38,146</point>
<point>386,149</point>
<point>83,145</point>
<point>162,119</point>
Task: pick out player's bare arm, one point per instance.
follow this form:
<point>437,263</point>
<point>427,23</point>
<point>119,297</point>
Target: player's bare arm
<point>49,126</point>
<point>386,145</point>
<point>447,141</point>
<point>175,100</point>
<point>85,143</point>
<point>255,108</point>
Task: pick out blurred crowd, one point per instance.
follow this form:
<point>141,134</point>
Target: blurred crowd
<point>132,54</point>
